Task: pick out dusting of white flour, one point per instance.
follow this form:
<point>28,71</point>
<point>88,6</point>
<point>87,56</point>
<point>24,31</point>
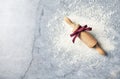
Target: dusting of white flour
<point>77,61</point>
<point>98,20</point>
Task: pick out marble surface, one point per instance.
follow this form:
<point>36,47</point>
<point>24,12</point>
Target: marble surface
<point>27,50</point>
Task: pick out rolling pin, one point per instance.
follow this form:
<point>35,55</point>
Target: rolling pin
<point>86,37</point>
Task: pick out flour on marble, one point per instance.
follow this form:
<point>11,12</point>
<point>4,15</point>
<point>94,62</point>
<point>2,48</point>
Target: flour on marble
<point>99,21</point>
<point>66,60</point>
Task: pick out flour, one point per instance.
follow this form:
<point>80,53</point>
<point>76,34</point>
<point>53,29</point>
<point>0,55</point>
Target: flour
<point>68,54</point>
<point>97,20</point>
<point>77,61</point>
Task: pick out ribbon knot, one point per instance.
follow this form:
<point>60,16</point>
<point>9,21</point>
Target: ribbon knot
<point>77,32</point>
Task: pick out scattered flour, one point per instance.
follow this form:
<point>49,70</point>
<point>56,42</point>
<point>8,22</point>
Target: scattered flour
<point>98,21</point>
<point>65,60</point>
<point>66,54</point>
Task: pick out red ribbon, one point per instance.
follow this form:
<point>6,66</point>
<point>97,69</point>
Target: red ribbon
<point>77,32</point>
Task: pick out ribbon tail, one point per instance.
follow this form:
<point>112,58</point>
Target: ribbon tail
<point>73,40</point>
<point>75,33</point>
<point>89,28</point>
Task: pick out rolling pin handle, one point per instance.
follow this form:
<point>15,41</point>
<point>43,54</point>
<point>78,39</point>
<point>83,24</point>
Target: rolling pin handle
<point>100,50</point>
<point>70,22</point>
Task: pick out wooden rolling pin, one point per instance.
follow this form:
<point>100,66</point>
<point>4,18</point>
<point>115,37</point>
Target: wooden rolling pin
<point>86,37</point>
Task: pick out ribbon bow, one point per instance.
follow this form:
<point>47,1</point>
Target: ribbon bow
<point>77,32</point>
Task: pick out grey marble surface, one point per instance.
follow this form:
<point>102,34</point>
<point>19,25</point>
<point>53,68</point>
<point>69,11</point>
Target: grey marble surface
<point>27,50</point>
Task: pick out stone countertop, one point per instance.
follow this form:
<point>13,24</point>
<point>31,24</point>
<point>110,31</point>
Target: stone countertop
<point>29,45</point>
